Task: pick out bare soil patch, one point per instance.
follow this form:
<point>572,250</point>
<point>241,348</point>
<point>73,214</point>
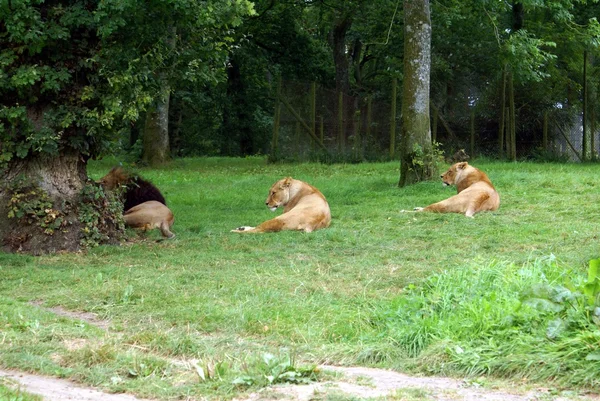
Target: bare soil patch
<point>52,389</point>
<point>88,317</point>
<point>357,382</point>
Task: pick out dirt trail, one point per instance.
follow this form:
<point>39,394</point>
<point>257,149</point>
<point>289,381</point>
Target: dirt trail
<point>379,383</point>
<point>52,389</point>
<point>360,383</point>
<point>356,382</point>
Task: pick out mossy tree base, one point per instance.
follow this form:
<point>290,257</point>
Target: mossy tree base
<point>47,206</point>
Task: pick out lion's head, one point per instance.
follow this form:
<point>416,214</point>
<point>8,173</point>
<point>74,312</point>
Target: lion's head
<point>279,194</point>
<point>450,176</point>
<point>115,177</point>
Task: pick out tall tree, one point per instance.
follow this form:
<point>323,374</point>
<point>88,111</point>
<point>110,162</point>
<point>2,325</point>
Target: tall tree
<point>416,163</point>
<point>69,85</point>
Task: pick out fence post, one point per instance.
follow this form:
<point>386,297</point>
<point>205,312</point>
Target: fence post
<point>369,117</point>
<point>321,131</point>
<point>507,132</point>
<point>393,120</point>
<point>472,148</point>
<point>593,132</point>
<point>358,150</point>
<point>313,111</point>
<point>341,138</point>
<point>545,132</point>
<point>584,140</point>
<point>434,125</point>
<point>276,118</point>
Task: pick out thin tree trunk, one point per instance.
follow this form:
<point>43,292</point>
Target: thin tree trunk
<point>545,132</point>
<point>511,108</point>
<point>502,115</point>
<point>393,119</point>
<point>276,117</point>
<point>416,128</point>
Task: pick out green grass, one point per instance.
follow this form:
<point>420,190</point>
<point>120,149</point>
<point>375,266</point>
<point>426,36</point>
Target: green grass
<point>350,294</point>
<point>9,393</point>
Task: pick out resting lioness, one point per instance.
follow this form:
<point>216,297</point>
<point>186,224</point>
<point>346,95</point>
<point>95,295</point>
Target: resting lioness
<point>149,215</point>
<point>475,192</point>
<point>305,208</point>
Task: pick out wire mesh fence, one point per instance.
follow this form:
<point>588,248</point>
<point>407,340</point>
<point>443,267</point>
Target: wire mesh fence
<point>313,123</point>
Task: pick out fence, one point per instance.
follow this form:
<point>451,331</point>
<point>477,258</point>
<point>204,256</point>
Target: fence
<point>312,123</point>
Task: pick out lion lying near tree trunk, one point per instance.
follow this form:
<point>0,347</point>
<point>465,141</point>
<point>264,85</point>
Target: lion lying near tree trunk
<point>475,192</point>
<point>144,206</point>
<point>305,208</point>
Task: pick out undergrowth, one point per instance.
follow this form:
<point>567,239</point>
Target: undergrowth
<point>536,321</point>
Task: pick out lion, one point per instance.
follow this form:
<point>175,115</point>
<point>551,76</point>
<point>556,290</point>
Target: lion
<point>305,208</point>
<point>475,192</point>
<point>143,205</point>
<point>149,215</point>
<point>137,190</point>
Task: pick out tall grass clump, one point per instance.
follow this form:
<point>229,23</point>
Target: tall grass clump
<point>535,321</point>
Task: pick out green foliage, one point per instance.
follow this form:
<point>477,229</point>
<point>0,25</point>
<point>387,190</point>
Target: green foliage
<point>273,369</point>
<point>477,310</point>
<point>31,205</point>
<point>99,212</point>
<point>526,55</point>
<point>426,162</point>
<point>591,289</point>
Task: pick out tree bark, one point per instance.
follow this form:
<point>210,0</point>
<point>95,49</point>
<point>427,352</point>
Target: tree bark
<point>512,120</point>
<point>58,181</point>
<point>502,114</point>
<point>156,149</point>
<point>416,163</point>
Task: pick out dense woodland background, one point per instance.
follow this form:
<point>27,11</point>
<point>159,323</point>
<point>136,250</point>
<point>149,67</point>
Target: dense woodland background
<point>486,55</point>
<point>206,73</point>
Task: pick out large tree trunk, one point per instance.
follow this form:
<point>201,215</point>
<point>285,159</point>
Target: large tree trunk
<point>416,163</point>
<point>40,199</point>
<point>156,150</point>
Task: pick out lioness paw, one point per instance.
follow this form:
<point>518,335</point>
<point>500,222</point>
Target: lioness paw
<point>418,209</point>
<point>242,229</point>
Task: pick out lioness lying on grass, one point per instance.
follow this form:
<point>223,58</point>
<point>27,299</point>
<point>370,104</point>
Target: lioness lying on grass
<point>475,192</point>
<point>306,208</point>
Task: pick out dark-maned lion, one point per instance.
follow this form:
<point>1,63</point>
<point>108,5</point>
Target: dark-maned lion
<point>144,205</point>
<point>475,192</point>
<point>305,208</point>
<point>137,189</point>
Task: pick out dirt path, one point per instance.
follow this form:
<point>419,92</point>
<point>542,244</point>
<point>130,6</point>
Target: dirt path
<point>52,389</point>
<point>358,383</point>
<point>355,382</point>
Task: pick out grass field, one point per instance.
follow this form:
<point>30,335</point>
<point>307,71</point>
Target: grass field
<point>496,295</point>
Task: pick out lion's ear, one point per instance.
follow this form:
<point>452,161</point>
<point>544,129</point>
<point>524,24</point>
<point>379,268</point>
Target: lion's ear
<point>287,182</point>
<point>462,165</point>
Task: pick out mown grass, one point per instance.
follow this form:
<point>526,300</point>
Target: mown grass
<point>429,293</point>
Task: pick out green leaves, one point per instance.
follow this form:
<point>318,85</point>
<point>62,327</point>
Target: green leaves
<point>591,289</point>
